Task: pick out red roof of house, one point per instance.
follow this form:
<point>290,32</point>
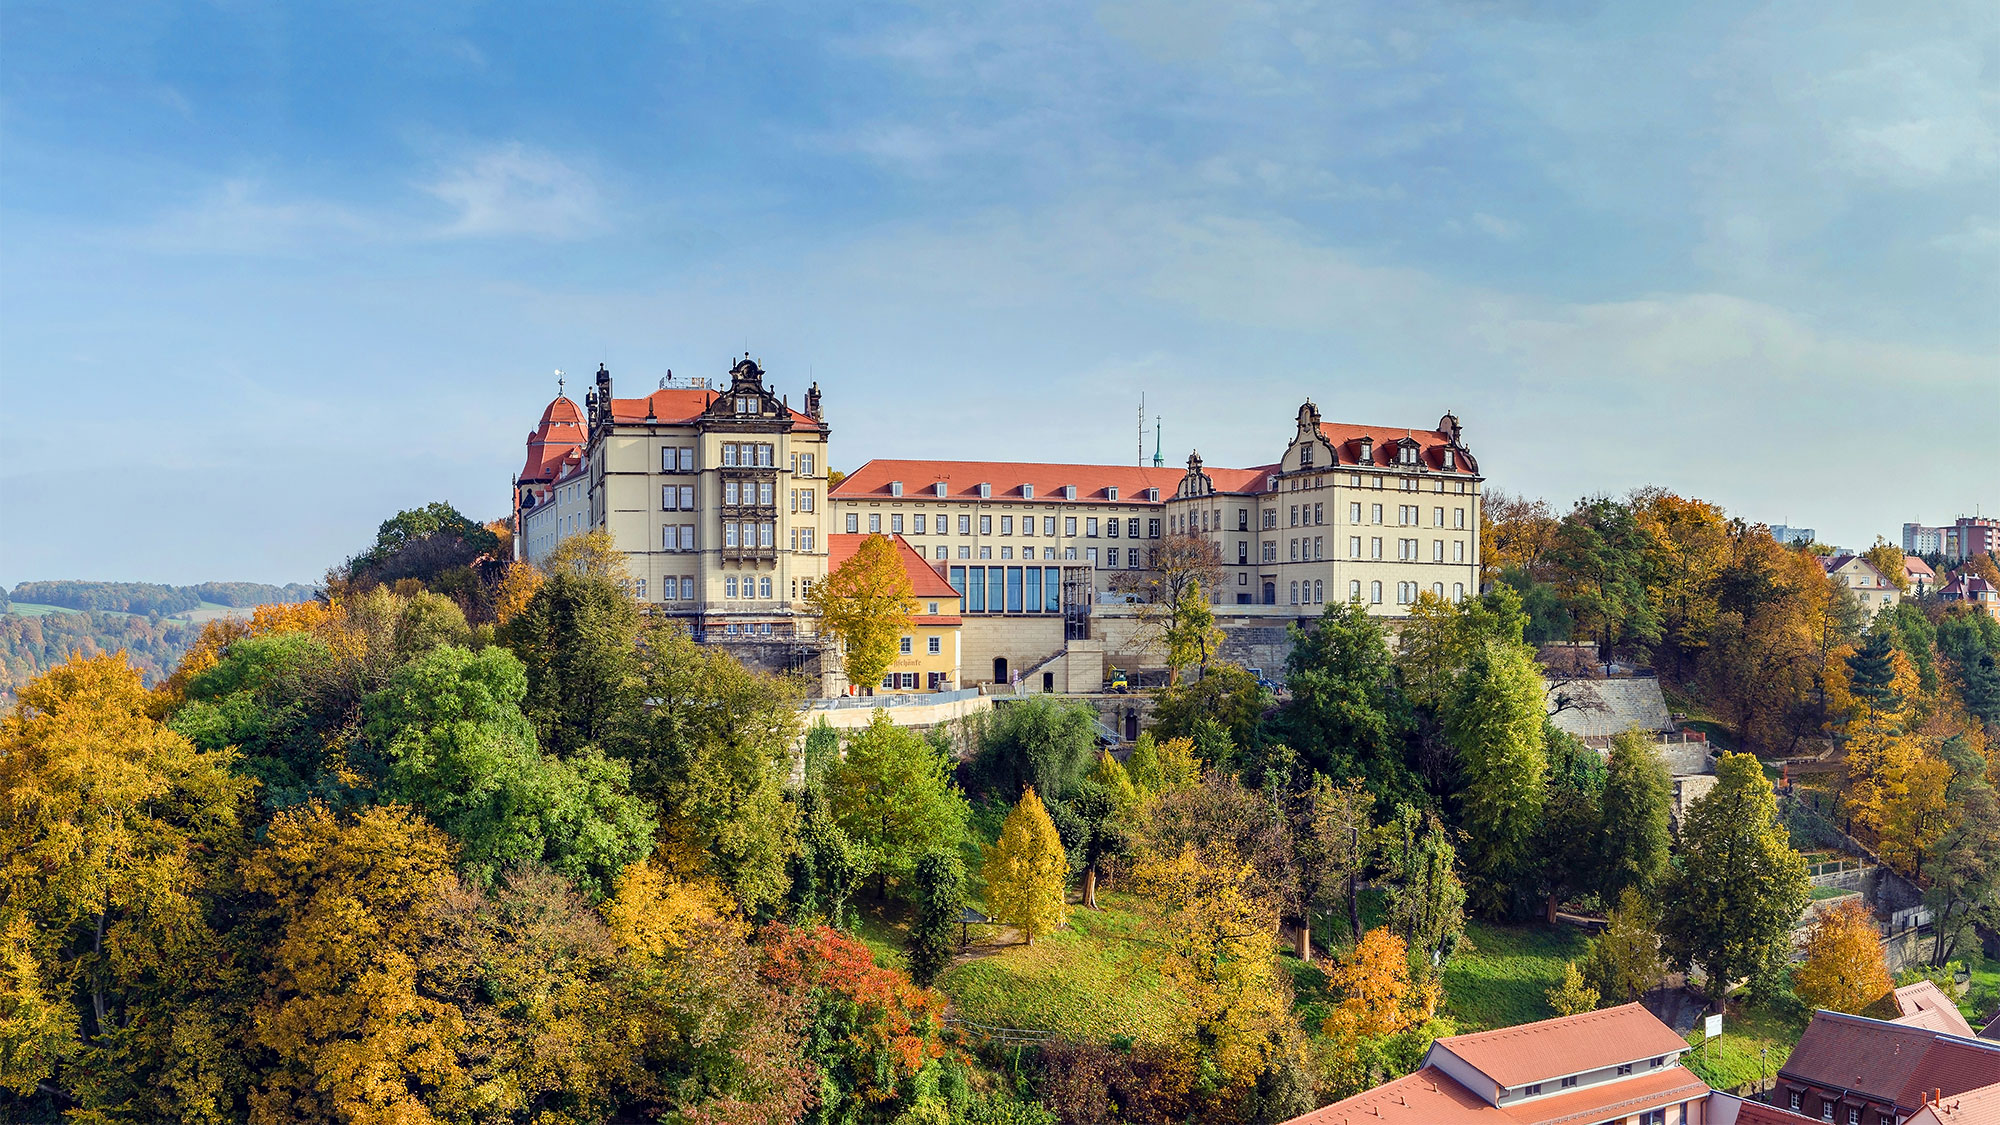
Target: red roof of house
<point>679,405</point>
<point>1428,1097</point>
<point>963,478</point>
<point>560,431</point>
<point>1973,1107</point>
<point>1914,565</point>
<point>925,582</point>
<point>1892,1062</point>
<point>1753,1113</point>
<point>1924,1004</point>
<point>1534,1052</point>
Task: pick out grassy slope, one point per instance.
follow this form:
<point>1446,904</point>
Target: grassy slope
<point>1736,1057</point>
<point>1504,978</point>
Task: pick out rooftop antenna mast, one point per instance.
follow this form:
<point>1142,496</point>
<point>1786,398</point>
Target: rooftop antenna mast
<point>1142,427</point>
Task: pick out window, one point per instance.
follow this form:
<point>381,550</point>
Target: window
<point>1375,512</point>
<point>1270,550</point>
<point>1437,550</point>
<point>1569,1082</point>
<point>1090,528</point>
<point>1319,593</point>
<point>729,454</point>
<point>1375,592</point>
<point>1242,552</point>
<point>1295,594</point>
<point>985,491</point>
<point>806,540</point>
<point>1653,1117</point>
<point>1375,548</point>
<point>639,588</point>
<point>746,406</point>
<point>896,523</point>
<point>1798,1101</point>
<point>1624,1068</point>
<point>806,464</point>
<point>1294,548</point>
<point>1295,515</point>
<point>874,523</point>
<point>934,645</point>
<point>1111,528</point>
<point>729,586</point>
<point>903,645</point>
<point>1458,517</point>
<point>1825,1110</point>
<point>1069,525</point>
<point>1458,591</point>
<point>1656,1062</point>
<point>985,525</point>
<point>766,455</point>
<point>1853,1113</point>
<point>985,552</point>
<point>965,552</point>
<point>1006,552</point>
<point>1270,518</point>
<point>965,525</point>
<point>1006,525</point>
<point>1132,528</point>
<point>1049,526</point>
<point>853,523</point>
<point>765,490</point>
<point>1354,590</point>
<point>1111,556</point>
<point>687,589</point>
<point>764,588</point>
<point>943,552</point>
<point>1534,1088</point>
<point>729,492</point>
<point>767,534</point>
<point>1319,513</point>
<point>1458,551</point>
<point>729,535</point>
<point>1437,516</point>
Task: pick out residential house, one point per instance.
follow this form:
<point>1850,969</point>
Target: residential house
<point>1615,1066</point>
<point>928,653</point>
<point>1853,1070</point>
<point>1918,576</point>
<point>1924,1004</point>
<point>1974,591</point>
<point>1870,587</point>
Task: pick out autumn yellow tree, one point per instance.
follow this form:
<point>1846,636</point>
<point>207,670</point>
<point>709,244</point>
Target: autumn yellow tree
<point>517,589</point>
<point>1218,945</point>
<point>1684,553</point>
<point>1378,995</point>
<point>593,554</point>
<point>864,604</point>
<point>112,831</point>
<point>1572,996</point>
<point>1027,870</point>
<point>1843,969</point>
<point>354,906</point>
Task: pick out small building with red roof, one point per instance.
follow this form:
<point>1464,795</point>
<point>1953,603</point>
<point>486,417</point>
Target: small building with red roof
<point>927,659</point>
<point>1862,1071</point>
<point>1974,591</point>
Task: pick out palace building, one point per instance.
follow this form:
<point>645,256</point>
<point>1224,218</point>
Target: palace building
<point>713,493</point>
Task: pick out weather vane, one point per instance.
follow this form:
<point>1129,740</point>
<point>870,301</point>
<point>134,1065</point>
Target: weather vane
<point>559,382</point>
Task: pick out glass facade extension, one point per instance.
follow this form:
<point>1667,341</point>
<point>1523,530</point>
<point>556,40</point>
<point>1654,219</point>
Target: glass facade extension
<point>1008,589</point>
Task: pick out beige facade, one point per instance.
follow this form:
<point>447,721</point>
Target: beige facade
<point>715,494</point>
<point>1870,587</point>
<point>929,651</point>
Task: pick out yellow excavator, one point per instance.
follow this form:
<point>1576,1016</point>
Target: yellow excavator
<point>1118,682</point>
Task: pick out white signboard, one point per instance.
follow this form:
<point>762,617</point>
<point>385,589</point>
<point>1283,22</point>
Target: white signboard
<point>1714,1027</point>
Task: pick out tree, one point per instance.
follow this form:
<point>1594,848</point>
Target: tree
<point>578,639</point>
<point>1735,894</point>
<point>1572,997</point>
<point>1515,533</point>
<point>1378,995</point>
<point>1425,905</point>
<point>714,752</point>
<point>353,906</point>
<point>450,729</point>
<point>1495,721</point>
<point>1598,551</point>
<point>1026,870</point>
<point>1040,742</point>
<point>114,831</point>
<point>894,796</point>
<point>865,605</point>
<point>1843,970</point>
<point>1174,615</point>
<point>1965,870</point>
<point>1638,797</point>
<point>1887,558</point>
<point>1347,717</point>
<point>1227,699</point>
<point>940,894</point>
<point>1339,835</point>
<point>594,554</point>
<point>517,588</point>
<point>421,543</point>
<point>1625,962</point>
<point>1106,803</point>
<point>1568,847</point>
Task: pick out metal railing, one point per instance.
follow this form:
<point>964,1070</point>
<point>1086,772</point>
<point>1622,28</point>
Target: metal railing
<point>850,702</point>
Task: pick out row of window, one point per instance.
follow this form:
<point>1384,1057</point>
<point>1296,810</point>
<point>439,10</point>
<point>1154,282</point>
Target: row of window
<point>919,524</point>
<point>757,492</point>
<point>932,645</point>
<point>1008,589</point>
<point>1827,1106</point>
<point>749,585</point>
<point>755,455</point>
<point>1314,592</point>
<point>748,534</point>
<point>680,497</point>
<point>907,681</point>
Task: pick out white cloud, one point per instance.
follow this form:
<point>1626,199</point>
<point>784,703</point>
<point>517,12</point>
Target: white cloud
<point>512,189</point>
<point>241,217</point>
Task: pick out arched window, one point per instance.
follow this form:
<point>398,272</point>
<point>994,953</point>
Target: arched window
<point>1375,592</point>
<point>1295,593</point>
<point>1458,591</point>
<point>1354,590</point>
<point>1319,593</point>
<point>1438,589</point>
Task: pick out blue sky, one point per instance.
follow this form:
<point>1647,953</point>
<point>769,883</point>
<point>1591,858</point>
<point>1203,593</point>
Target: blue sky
<point>270,272</point>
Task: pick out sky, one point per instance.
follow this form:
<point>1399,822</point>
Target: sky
<point>271,272</point>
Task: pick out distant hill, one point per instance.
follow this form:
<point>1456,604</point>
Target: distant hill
<point>42,623</point>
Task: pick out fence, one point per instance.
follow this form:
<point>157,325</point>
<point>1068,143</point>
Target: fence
<point>871,702</point>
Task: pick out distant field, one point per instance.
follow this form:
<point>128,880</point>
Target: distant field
<point>201,615</point>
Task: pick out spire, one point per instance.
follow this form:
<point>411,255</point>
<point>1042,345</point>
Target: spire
<point>1158,461</point>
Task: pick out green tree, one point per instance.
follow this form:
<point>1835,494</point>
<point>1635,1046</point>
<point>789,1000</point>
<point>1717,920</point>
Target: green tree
<point>1347,717</point>
<point>1026,871</point>
<point>1226,697</point>
<point>422,543</point>
<point>1638,796</point>
<point>1872,672</point>
<point>1338,836</point>
<point>1425,905</point>
<point>1737,889</point>
<point>450,729</point>
<point>578,638</point>
<point>1625,961</point>
<point>1567,849</point>
<point>1495,720</point>
<point>1572,997</point>
<point>1041,742</point>
<point>865,604</point>
<point>1964,869</point>
<point>1599,551</point>
<point>1192,635</point>
<point>714,752</point>
<point>940,894</point>
<point>894,796</point>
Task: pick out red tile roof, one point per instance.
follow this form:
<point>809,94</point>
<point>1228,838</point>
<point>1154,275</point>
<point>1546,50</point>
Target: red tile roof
<point>925,582</point>
<point>1616,1099</point>
<point>680,405</point>
<point>1891,1062</point>
<point>963,478</point>
<point>560,431</point>
<point>1752,1113</point>
<point>1924,1004</point>
<point>1914,565</point>
<point>1535,1052</point>
<point>1973,1107</point>
<point>1428,1097</point>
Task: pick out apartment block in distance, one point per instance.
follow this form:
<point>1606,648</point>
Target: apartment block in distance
<point>714,493</point>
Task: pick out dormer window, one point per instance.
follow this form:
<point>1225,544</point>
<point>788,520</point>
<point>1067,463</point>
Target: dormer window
<point>1450,459</point>
<point>1111,494</point>
<point>746,406</point>
<point>1069,492</point>
<point>1368,451</point>
<point>1027,492</point>
<point>1306,457</point>
<point>1624,1068</point>
<point>985,491</point>
<point>1656,1062</point>
<point>1152,495</point>
<point>1569,1082</point>
<point>938,489</point>
<point>895,488</point>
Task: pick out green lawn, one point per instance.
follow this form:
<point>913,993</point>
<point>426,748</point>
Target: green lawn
<point>1092,980</point>
<point>1504,977</point>
<point>1755,1041</point>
